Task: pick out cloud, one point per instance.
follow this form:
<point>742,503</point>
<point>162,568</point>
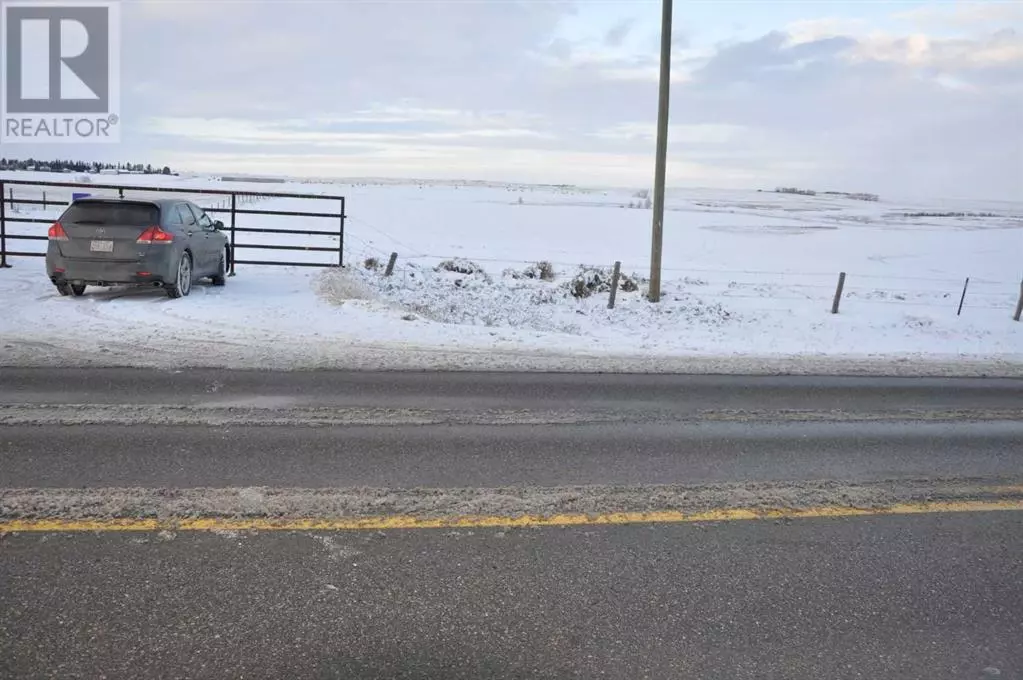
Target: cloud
<point>646,133</point>
<point>969,15</point>
<point>1004,47</point>
<point>299,132</point>
<point>812,30</point>
<point>755,60</point>
<point>868,102</point>
<point>326,55</point>
<point>616,36</point>
<point>182,11</point>
<point>410,112</point>
<point>462,162</point>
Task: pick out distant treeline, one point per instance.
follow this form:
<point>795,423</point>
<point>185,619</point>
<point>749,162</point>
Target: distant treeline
<point>811,192</point>
<point>62,165</point>
<point>950,214</point>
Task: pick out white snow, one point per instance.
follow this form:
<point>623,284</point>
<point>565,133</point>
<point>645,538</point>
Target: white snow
<point>749,280</point>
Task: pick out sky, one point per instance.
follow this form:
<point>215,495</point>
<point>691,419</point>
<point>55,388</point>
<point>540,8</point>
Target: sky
<point>921,99</point>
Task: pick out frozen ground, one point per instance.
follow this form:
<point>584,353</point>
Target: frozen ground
<point>749,280</point>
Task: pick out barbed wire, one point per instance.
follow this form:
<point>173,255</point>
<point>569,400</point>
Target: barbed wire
<point>934,304</point>
<point>359,220</point>
<point>772,293</point>
<point>412,253</point>
<point>770,299</point>
<point>739,296</point>
<point>713,283</point>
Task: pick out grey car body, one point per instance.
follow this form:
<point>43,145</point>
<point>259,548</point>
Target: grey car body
<point>103,242</point>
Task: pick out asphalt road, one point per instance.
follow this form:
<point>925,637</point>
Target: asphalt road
<point>625,393</point>
<point>549,429</point>
<point>934,595</point>
<point>441,456</point>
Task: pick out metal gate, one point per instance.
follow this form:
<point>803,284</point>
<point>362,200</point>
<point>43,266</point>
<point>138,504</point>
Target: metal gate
<point>233,207</point>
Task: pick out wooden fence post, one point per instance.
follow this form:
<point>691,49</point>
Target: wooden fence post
<point>1019,304</point>
<point>390,264</point>
<point>838,293</point>
<point>963,298</point>
<point>614,284</point>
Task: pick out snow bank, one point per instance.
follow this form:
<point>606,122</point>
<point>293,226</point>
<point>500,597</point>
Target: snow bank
<point>484,281</point>
<point>475,298</point>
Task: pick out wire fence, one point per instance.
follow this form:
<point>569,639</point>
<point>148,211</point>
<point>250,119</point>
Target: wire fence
<point>945,294</point>
<point>371,246</point>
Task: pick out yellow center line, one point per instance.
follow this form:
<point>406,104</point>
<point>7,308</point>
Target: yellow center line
<point>379,522</point>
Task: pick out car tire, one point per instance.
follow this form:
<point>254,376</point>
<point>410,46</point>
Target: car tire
<point>182,284</point>
<point>63,288</point>
<point>220,278</point>
<point>78,289</point>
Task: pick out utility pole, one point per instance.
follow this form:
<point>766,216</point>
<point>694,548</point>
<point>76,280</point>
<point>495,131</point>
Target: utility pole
<point>662,153</point>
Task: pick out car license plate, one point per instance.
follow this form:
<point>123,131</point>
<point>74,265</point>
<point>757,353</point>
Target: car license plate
<point>102,246</point>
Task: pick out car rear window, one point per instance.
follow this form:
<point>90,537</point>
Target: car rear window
<point>127,214</point>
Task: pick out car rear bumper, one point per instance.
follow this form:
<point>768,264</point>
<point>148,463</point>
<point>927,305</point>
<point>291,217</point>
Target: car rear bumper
<point>136,280</point>
<point>105,273</point>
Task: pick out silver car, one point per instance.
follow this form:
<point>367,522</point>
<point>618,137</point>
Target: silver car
<point>168,243</point>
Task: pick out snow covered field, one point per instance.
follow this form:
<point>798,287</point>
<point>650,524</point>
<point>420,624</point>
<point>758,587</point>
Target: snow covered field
<point>749,281</point>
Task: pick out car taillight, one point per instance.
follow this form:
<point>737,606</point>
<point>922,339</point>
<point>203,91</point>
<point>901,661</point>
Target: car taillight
<point>154,235</point>
<point>57,232</point>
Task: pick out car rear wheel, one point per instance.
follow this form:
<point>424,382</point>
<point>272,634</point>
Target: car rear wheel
<point>220,278</point>
<point>65,288</point>
<point>182,284</point>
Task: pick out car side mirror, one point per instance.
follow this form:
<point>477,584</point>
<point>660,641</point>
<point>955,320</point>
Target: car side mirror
<point>218,225</point>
